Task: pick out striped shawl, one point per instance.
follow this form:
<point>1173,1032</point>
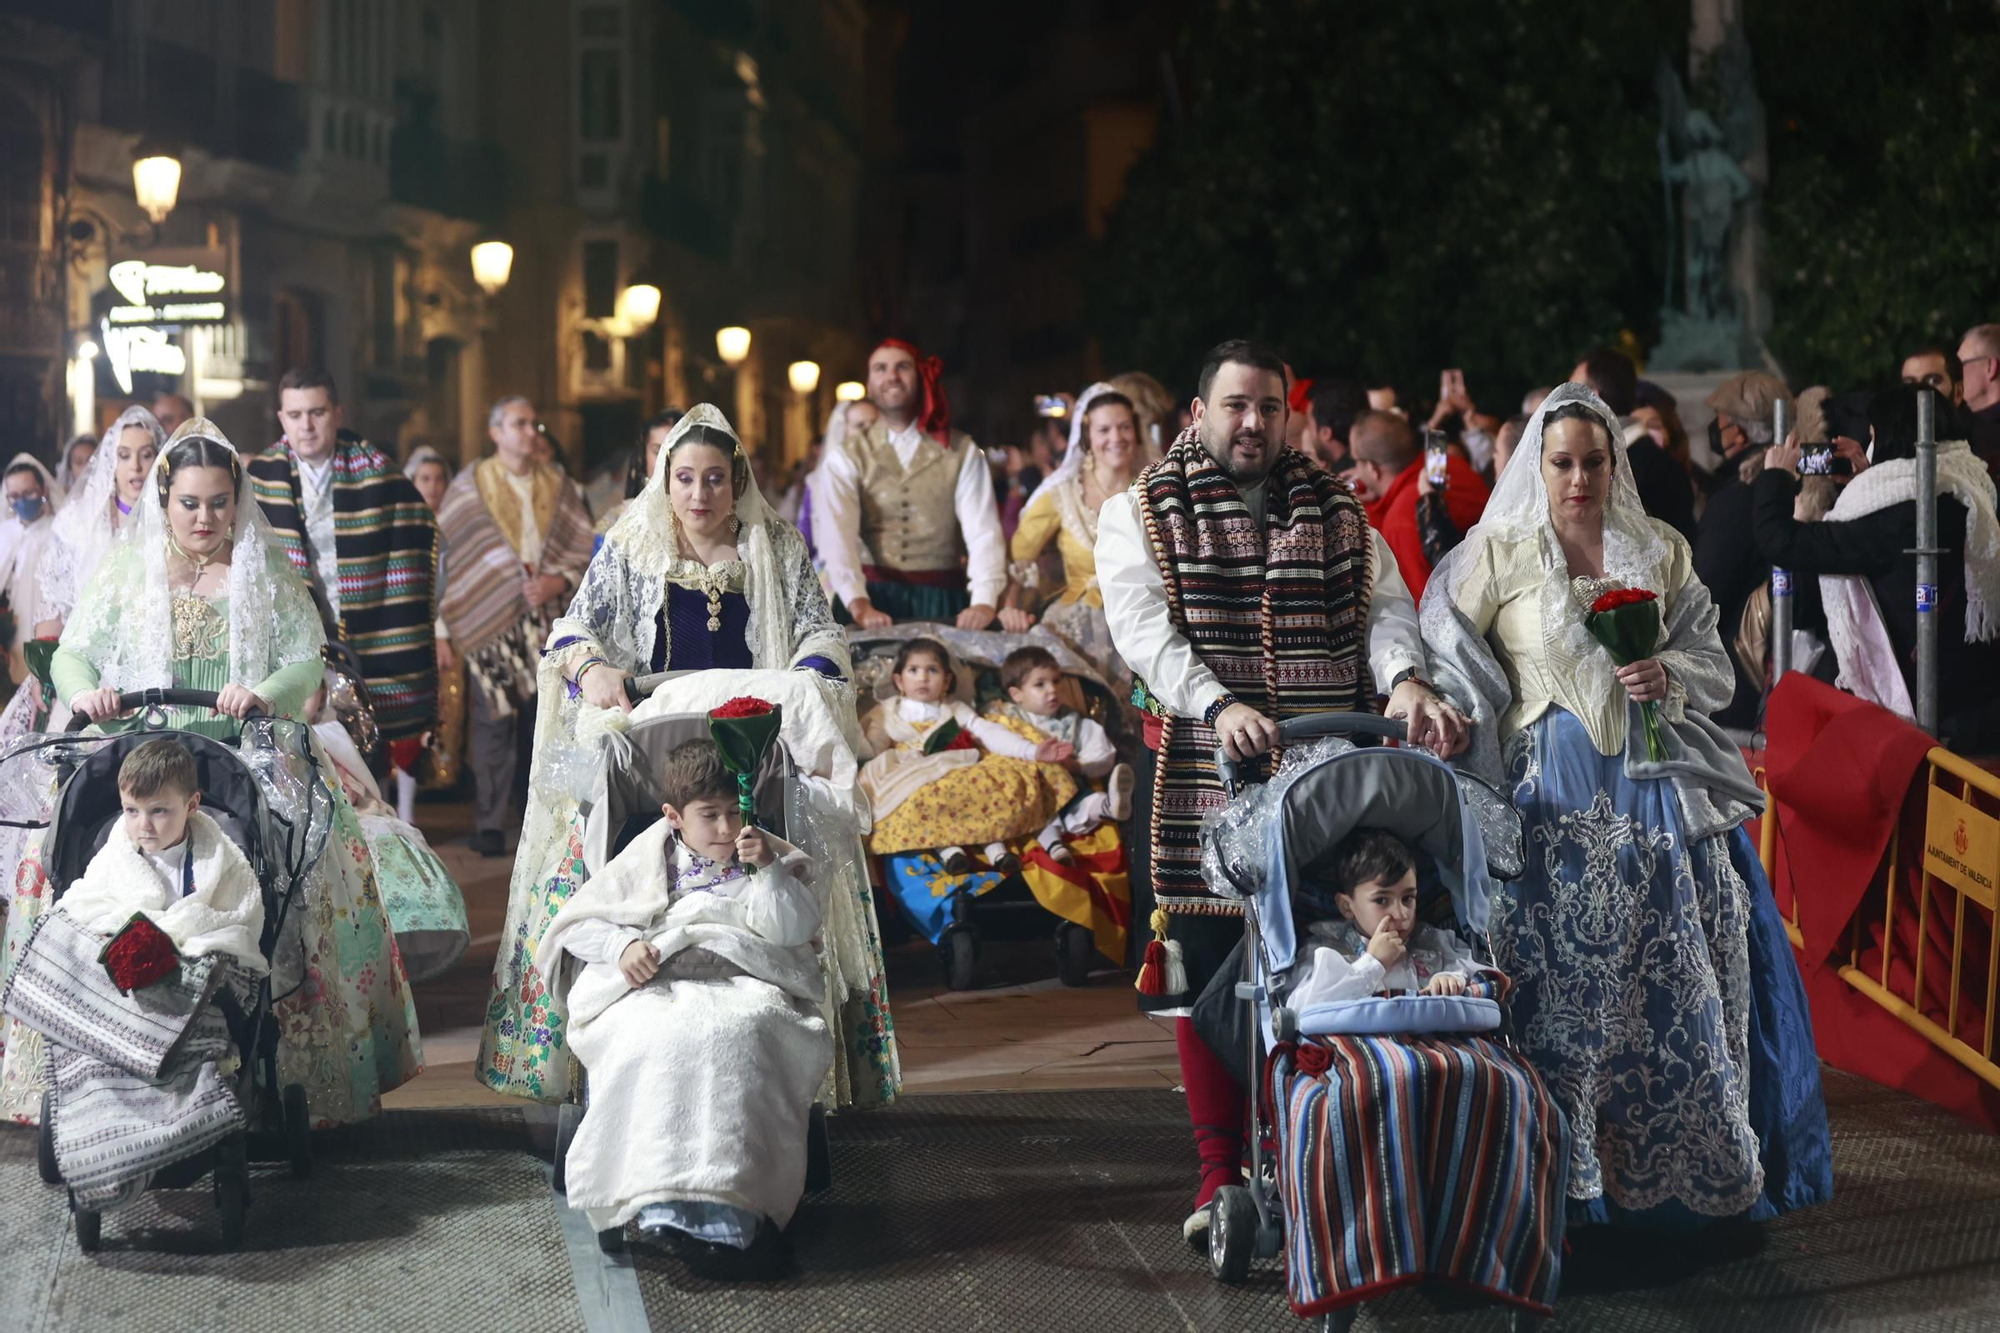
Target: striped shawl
<point>1280,616</point>
<point>386,542</point>
<point>492,626</point>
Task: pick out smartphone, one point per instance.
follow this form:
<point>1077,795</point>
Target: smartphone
<point>1816,460</point>
<point>1050,405</point>
<point>1436,460</point>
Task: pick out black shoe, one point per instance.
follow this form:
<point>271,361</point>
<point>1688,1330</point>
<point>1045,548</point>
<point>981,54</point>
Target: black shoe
<point>488,842</point>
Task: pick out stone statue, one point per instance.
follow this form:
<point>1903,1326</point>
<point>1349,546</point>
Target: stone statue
<point>1711,169</point>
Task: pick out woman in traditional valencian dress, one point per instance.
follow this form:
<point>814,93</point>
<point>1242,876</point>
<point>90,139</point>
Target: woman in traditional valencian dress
<point>1655,989</point>
<point>205,599</point>
<point>1103,457</point>
<point>698,576</point>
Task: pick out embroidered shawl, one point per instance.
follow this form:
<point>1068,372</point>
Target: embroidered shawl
<point>491,623</point>
<point>386,542</point>
<point>1280,616</point>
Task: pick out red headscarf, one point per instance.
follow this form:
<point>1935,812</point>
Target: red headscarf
<point>935,419</point>
<point>1300,398</point>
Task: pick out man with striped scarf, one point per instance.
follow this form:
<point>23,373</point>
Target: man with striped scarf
<point>1243,586</point>
<point>360,534</point>
<point>517,540</point>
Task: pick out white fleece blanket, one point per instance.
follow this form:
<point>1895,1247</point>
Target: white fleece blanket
<point>224,914</point>
<point>699,1087</point>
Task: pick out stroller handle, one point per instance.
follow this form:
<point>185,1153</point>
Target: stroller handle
<point>1295,729</point>
<point>131,699</point>
<point>640,688</point>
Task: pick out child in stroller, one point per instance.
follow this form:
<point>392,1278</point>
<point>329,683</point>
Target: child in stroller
<point>148,983</point>
<point>1067,859</point>
<point>696,1019</point>
<point>1411,1144</point>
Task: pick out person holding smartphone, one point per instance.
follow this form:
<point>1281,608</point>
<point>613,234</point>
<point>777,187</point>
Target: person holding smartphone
<point>1389,466</point>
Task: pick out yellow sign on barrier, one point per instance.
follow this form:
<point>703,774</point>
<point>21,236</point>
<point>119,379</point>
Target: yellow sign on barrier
<point>1962,846</point>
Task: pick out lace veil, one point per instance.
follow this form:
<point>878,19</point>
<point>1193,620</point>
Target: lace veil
<point>1636,549</point>
<point>126,626</point>
<point>87,525</point>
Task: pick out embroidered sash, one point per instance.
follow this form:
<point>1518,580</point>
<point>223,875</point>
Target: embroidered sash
<point>1280,616</point>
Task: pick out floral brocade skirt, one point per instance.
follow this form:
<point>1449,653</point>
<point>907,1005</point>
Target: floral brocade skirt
<point>1656,993</point>
<point>997,799</point>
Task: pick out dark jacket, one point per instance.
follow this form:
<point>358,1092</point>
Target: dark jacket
<point>1665,489</point>
<point>1876,547</point>
<point>1727,562</point>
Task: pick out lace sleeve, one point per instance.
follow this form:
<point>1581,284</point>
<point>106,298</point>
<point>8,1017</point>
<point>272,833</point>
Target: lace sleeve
<point>91,631</point>
<point>814,633</point>
<point>1699,676</point>
<point>598,622</point>
<point>298,634</point>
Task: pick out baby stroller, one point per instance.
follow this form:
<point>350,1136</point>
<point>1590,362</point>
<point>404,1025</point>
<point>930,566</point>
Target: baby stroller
<point>988,903</point>
<point>1359,1096</point>
<point>264,790</point>
<point>624,803</point>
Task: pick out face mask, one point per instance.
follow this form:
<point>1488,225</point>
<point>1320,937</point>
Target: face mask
<point>28,508</point>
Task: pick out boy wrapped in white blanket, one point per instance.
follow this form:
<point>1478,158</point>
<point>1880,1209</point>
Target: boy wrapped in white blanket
<point>696,1018</point>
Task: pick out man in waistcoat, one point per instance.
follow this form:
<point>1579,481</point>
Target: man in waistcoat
<point>1244,586</point>
<point>359,533</point>
<point>904,513</point>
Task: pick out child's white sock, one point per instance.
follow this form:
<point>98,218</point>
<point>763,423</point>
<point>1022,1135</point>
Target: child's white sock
<point>406,797</point>
<point>1052,843</point>
<point>1001,859</point>
<point>956,861</point>
<point>1086,814</point>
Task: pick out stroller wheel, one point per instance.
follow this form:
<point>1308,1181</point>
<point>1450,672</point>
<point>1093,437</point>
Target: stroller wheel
<point>45,1141</point>
<point>1232,1233</point>
<point>89,1229</point>
<point>961,956</point>
<point>232,1189</point>
<point>819,1153</point>
<point>568,1116</point>
<point>298,1131</point>
<point>1076,948</point>
<point>611,1240</point>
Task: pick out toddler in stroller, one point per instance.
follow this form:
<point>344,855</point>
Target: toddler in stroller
<point>1411,1144</point>
<point>148,982</point>
<point>695,1016</point>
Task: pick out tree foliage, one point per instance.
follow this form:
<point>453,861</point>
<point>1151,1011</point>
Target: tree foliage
<point>1388,189</point>
<point>1394,188</point>
<point>1884,123</point>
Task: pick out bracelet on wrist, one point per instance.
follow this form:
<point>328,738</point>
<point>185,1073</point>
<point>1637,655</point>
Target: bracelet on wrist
<point>1215,710</point>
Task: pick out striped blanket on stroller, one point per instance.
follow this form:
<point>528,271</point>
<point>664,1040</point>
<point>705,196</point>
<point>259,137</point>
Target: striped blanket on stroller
<point>140,1080</point>
<point>1412,1159</point>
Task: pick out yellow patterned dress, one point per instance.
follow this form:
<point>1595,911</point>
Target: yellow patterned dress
<point>956,798</point>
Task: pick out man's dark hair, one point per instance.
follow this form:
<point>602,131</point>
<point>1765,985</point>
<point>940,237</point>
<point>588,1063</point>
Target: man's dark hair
<point>155,767</point>
<point>301,377</point>
<point>1241,351</point>
<point>1021,661</point>
<point>1612,377</point>
<point>694,771</point>
<point>1369,856</point>
<point>1335,404</point>
<point>635,475</point>
<point>1952,365</point>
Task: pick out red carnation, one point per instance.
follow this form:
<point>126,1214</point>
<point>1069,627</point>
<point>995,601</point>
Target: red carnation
<point>139,955</point>
<point>742,707</point>
<point>1618,597</point>
<point>962,741</point>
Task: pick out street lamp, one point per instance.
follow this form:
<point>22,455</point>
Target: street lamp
<point>733,344</point>
<point>850,391</point>
<point>804,376</point>
<point>156,178</point>
<point>638,307</point>
<point>492,264</point>
<point>87,350</point>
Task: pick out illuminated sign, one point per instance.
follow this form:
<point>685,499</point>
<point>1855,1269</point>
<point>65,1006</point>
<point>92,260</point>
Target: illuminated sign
<point>170,289</point>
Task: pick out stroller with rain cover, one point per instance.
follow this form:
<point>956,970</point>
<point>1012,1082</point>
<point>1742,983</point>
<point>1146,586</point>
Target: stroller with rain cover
<point>622,802</point>
<point>264,789</point>
<point>1410,1143</point>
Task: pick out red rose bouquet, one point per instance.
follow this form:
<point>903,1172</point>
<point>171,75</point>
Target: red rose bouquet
<point>139,955</point>
<point>1627,622</point>
<point>948,735</point>
<point>743,730</point>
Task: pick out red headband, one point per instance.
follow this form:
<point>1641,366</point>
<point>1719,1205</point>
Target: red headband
<point>935,419</point>
<point>1301,396</point>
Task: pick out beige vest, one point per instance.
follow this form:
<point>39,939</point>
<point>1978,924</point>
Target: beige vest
<point>909,520</point>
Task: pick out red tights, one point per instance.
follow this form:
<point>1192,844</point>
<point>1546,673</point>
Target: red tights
<point>1216,1107</point>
